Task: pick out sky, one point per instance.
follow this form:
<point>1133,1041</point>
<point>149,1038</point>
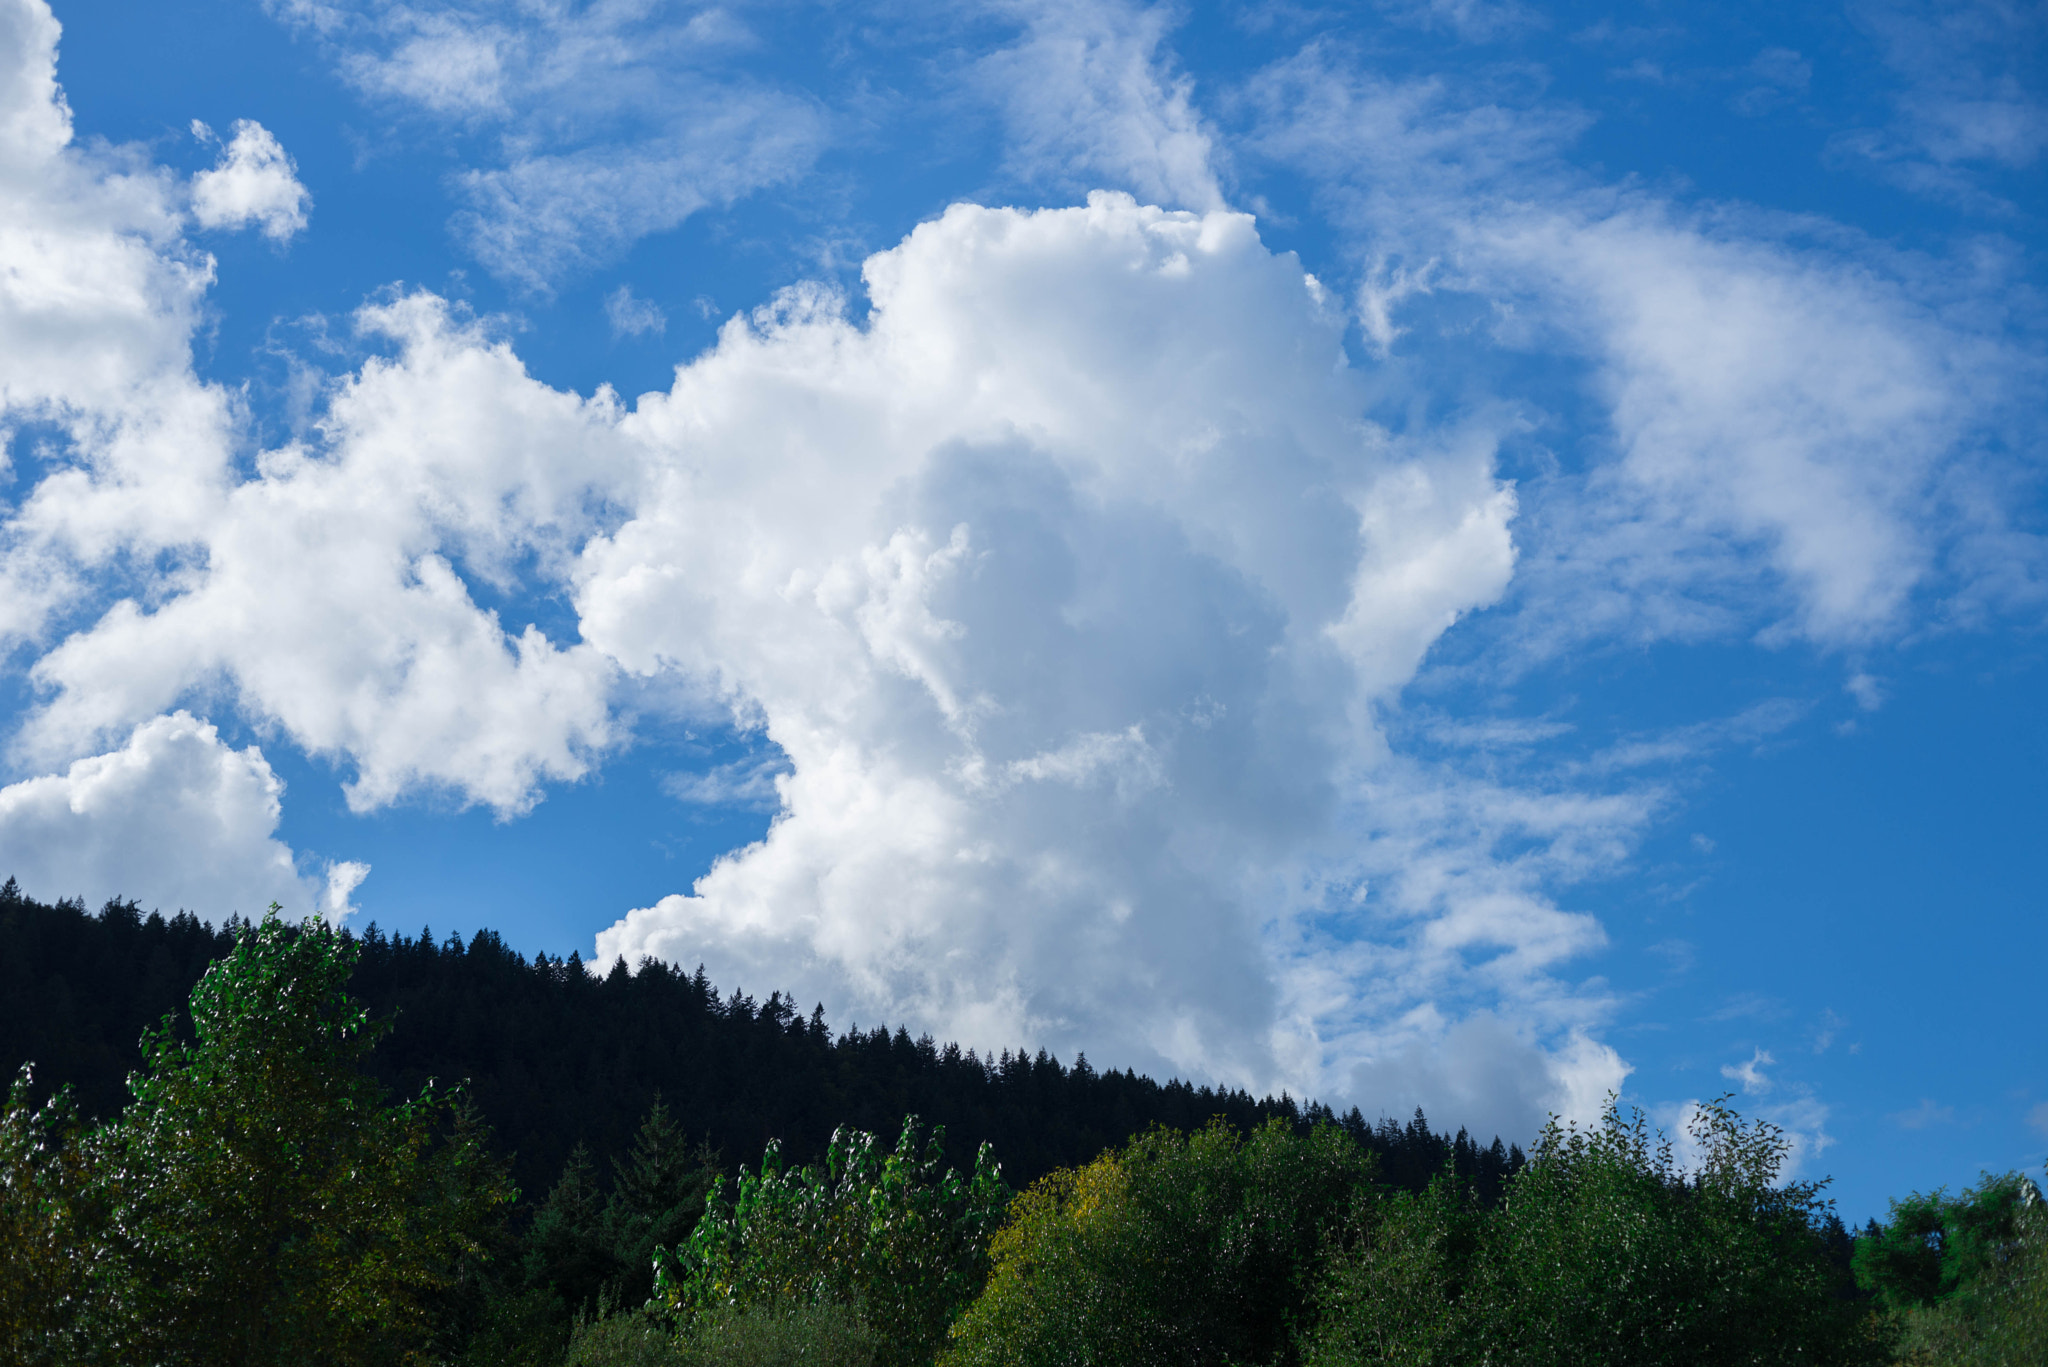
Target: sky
<point>1461,554</point>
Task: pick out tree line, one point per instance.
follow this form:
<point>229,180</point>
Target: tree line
<point>262,1196</point>
<point>554,1056</point>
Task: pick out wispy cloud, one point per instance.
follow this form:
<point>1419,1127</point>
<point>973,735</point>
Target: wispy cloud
<point>1801,438</point>
<point>1926,1114</point>
<point>608,123</point>
<point>1972,98</point>
<point>632,316</point>
<point>1826,1033</point>
<point>1751,1075</point>
<point>1749,1006</point>
<point>749,784</point>
<point>1092,99</point>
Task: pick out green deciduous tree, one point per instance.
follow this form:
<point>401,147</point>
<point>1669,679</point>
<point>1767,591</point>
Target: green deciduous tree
<point>1964,1278</point>
<point>1939,1246</point>
<point>47,1219</point>
<point>897,1237</point>
<point>1604,1250</point>
<point>784,1335</point>
<point>1396,1294</point>
<point>265,1205</point>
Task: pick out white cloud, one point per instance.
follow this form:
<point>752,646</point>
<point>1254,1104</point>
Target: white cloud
<point>332,596</point>
<point>1794,405</point>
<point>612,122</point>
<point>1824,1036</point>
<point>1065,592</point>
<point>98,298</point>
<point>752,784</point>
<point>1971,99</point>
<point>1091,99</point>
<point>1866,690</point>
<point>99,295</point>
<point>548,215</point>
<point>1924,1115</point>
<point>255,183</point>
<point>1492,1078</point>
<point>175,818</point>
<point>631,316</point>
<point>344,876</point>
<point>1803,431</point>
<point>327,593</point>
<point>1751,1075</point>
<point>34,120</point>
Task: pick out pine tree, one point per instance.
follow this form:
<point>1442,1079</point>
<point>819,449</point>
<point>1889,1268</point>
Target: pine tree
<point>658,1193</point>
<point>567,1249</point>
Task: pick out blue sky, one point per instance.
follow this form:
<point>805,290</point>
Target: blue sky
<point>1457,554</point>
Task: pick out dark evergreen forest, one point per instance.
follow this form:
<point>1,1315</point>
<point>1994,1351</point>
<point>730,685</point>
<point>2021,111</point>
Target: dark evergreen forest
<point>554,1056</point>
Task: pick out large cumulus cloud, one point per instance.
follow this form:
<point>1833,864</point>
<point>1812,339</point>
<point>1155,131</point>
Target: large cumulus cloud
<point>1067,582</point>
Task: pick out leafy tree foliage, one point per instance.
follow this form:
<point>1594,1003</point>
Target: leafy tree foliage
<point>1398,1293</point>
<point>896,1237</point>
<point>257,1202</point>
<point>1179,1250</point>
<point>1965,1277</point>
<point>266,1205</point>
<point>46,1212</point>
<point>1603,1251</point>
<point>1939,1246</point>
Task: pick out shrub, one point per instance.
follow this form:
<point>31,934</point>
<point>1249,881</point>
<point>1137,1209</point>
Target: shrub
<point>790,1335</point>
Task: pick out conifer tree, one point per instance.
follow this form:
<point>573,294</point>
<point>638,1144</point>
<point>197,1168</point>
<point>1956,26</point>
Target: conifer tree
<point>658,1192</point>
<point>566,1249</point>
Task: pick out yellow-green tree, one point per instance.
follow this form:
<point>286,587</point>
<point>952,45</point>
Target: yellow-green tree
<point>1179,1250</point>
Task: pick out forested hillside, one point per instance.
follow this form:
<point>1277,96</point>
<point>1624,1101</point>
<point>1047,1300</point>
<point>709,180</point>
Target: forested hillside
<point>554,1056</point>
<point>262,1196</point>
